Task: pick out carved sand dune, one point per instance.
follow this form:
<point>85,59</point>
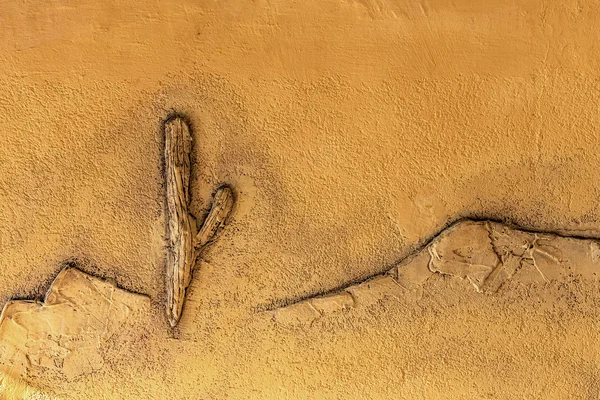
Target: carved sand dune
<point>487,254</point>
<point>80,319</point>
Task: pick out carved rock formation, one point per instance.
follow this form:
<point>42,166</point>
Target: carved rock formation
<point>487,254</point>
<point>80,319</point>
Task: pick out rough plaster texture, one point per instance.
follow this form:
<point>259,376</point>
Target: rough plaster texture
<point>351,132</point>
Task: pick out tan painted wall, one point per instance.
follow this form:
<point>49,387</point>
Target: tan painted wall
<point>351,132</point>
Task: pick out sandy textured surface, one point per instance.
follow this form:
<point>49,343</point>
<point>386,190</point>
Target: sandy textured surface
<point>351,133</point>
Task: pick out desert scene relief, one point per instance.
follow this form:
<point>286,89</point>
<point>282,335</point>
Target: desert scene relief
<point>338,199</point>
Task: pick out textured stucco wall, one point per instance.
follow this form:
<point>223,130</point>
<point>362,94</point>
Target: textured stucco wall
<point>351,131</point>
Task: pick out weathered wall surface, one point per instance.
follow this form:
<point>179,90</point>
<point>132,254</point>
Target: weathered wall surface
<point>351,132</point>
